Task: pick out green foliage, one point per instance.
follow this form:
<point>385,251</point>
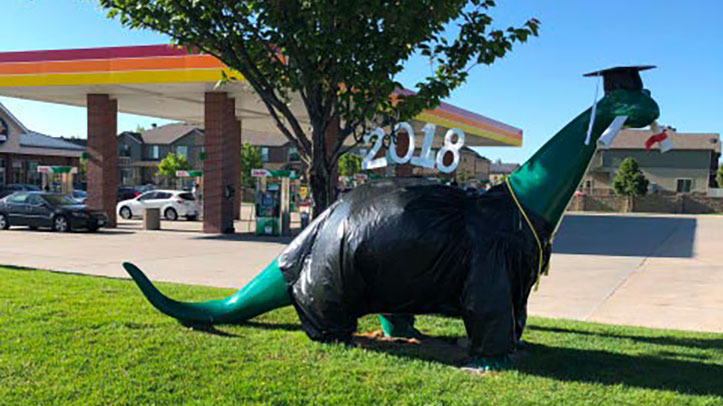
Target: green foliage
<point>463,175</point>
<point>250,159</point>
<point>340,58</point>
<point>172,163</point>
<point>139,129</point>
<point>719,176</point>
<point>83,169</point>
<point>629,179</point>
<point>79,340</point>
<point>350,164</point>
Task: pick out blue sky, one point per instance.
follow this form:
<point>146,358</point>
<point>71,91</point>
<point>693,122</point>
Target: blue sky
<point>538,87</point>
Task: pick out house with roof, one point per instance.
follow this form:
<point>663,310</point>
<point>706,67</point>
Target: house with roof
<point>140,153</point>
<point>689,167</point>
<point>23,150</point>
<point>500,170</point>
<point>473,169</point>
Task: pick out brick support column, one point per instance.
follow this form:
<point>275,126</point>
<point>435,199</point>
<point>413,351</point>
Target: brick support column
<point>102,154</point>
<point>237,171</point>
<point>218,168</point>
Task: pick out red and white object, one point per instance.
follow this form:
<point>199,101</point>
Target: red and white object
<point>660,137</point>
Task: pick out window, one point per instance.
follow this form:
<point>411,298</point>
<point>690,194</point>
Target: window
<point>34,200</point>
<point>155,152</point>
<point>264,154</point>
<point>182,150</point>
<point>34,178</point>
<point>59,200</point>
<point>684,185</point>
<point>126,175</point>
<point>18,198</point>
<point>162,196</point>
<point>147,196</point>
<point>186,196</point>
<point>125,151</point>
<point>293,154</point>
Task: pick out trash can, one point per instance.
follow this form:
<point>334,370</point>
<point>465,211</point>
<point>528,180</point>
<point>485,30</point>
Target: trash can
<point>151,219</point>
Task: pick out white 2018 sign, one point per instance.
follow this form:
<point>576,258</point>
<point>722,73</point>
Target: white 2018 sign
<point>426,159</point>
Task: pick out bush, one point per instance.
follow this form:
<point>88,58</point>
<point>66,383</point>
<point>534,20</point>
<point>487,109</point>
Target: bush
<point>629,180</point>
<point>349,164</point>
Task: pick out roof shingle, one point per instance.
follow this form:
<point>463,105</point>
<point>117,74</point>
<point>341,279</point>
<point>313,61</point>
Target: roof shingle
<point>167,134</point>
<point>37,140</point>
<point>635,139</point>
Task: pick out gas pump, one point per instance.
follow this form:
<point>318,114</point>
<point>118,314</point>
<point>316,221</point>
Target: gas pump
<point>196,179</point>
<point>58,178</point>
<point>273,190</point>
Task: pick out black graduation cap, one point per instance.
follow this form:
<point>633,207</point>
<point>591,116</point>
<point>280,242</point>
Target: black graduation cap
<point>621,77</point>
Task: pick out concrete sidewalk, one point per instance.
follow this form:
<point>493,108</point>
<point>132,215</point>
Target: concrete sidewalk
<point>655,271</point>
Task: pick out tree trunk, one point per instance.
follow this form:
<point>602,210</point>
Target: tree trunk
<point>323,174</point>
<point>323,189</point>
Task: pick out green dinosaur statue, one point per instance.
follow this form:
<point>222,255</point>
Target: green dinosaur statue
<point>405,246</point>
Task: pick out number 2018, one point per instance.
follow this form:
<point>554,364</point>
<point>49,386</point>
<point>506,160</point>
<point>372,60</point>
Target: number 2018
<point>425,158</point>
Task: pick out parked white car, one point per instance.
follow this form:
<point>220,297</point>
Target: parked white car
<point>172,203</point>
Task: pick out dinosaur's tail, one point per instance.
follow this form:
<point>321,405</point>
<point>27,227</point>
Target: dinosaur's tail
<point>267,291</point>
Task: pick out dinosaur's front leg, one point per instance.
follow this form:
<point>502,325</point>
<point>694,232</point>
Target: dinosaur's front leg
<point>399,326</point>
<point>488,314</point>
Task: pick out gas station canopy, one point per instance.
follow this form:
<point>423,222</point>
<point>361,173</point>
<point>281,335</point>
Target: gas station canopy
<point>167,82</point>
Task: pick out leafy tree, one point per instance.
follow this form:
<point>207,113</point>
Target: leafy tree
<point>719,176</point>
<point>350,164</point>
<point>337,58</point>
<point>83,168</point>
<point>250,159</point>
<point>140,129</point>
<point>172,163</point>
<point>629,179</point>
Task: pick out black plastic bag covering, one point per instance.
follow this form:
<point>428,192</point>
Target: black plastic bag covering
<point>409,245</point>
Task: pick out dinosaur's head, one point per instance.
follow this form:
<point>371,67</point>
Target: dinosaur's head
<point>625,96</point>
<point>637,105</point>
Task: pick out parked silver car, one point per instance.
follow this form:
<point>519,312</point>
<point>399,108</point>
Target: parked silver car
<point>172,204</point>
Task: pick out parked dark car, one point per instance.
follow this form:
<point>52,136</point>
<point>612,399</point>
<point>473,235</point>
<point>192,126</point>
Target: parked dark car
<point>56,211</point>
<point>6,190</point>
<point>80,195</point>
<point>125,193</point>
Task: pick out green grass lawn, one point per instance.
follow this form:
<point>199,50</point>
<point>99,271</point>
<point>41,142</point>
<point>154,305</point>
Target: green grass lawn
<point>79,340</point>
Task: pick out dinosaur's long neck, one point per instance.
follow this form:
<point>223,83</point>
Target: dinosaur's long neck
<point>547,181</point>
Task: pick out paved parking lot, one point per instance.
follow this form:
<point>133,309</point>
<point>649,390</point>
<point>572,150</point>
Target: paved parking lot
<point>656,271</point>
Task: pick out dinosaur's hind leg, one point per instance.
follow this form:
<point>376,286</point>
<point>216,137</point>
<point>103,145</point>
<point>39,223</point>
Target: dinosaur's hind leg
<point>399,326</point>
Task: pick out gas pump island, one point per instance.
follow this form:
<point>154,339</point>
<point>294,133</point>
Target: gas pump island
<point>273,200</point>
<point>57,178</point>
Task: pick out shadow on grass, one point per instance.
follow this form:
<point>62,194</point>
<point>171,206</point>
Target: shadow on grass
<point>575,365</point>
<point>208,329</point>
<point>272,326</point>
<point>213,330</point>
<point>714,343</point>
<point>603,367</point>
